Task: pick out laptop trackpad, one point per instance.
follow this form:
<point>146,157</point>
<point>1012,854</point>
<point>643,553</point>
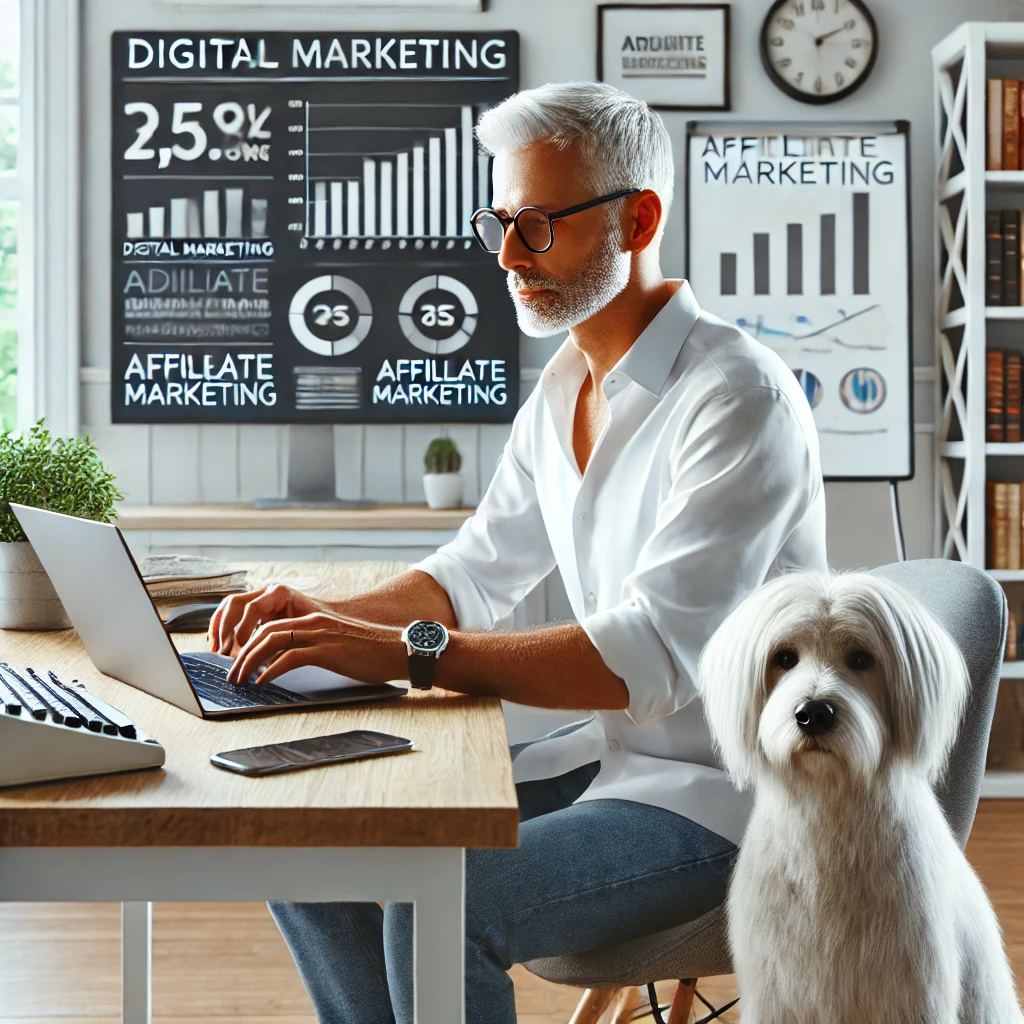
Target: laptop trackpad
<point>313,681</point>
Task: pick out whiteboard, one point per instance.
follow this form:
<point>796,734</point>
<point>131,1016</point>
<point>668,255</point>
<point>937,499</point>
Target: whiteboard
<point>800,234</point>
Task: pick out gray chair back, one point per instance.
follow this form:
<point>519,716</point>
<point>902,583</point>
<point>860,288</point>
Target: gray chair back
<point>972,608</point>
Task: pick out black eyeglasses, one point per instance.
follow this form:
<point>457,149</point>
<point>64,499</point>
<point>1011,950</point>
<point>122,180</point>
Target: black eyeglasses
<point>532,224</point>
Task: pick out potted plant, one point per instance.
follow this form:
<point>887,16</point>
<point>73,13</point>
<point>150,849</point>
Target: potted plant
<point>442,482</point>
<point>62,474</point>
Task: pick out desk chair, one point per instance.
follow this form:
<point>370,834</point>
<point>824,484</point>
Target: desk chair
<point>972,608</point>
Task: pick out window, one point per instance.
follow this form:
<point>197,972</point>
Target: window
<point>12,198</point>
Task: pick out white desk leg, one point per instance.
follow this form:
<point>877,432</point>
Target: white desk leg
<point>439,940</point>
<point>136,962</point>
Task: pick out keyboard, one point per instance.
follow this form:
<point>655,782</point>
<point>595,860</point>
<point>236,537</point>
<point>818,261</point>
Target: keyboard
<point>50,729</point>
<point>211,684</point>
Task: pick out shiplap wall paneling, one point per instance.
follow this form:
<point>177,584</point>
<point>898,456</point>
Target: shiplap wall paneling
<point>348,461</point>
<point>174,463</point>
<point>217,463</point>
<point>384,462</point>
<point>260,461</point>
<point>126,453</point>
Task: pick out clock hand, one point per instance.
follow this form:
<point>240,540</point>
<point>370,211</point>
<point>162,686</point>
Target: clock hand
<point>820,39</point>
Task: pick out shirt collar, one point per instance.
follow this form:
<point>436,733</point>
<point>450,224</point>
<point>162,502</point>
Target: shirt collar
<point>652,355</point>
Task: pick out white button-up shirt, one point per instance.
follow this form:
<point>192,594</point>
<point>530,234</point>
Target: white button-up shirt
<point>705,482</point>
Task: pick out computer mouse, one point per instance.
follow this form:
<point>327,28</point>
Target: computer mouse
<point>191,618</point>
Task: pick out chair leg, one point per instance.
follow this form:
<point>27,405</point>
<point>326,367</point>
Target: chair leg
<point>679,1012</point>
<point>593,1004</point>
<point>608,1006</point>
<point>629,1001</point>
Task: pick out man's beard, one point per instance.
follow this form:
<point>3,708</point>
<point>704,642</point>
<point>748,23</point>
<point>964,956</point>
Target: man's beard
<point>571,301</point>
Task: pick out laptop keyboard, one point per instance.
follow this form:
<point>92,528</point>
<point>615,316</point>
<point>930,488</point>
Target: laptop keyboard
<point>211,684</point>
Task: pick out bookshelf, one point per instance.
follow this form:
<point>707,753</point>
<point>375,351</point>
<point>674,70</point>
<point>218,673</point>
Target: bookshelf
<point>965,326</point>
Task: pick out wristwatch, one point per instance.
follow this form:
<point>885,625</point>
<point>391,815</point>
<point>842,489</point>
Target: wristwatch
<point>424,640</point>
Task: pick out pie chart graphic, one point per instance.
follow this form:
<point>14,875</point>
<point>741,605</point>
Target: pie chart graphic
<point>330,315</point>
<point>811,387</point>
<point>438,314</point>
<point>862,390</point>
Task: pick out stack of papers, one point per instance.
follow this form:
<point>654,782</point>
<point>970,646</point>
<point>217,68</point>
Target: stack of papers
<point>179,576</point>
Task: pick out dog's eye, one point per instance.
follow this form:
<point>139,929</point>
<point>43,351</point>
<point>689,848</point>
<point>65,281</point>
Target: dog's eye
<point>860,660</point>
<point>786,658</point>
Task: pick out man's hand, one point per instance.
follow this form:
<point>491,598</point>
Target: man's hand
<point>363,650</point>
<point>239,615</point>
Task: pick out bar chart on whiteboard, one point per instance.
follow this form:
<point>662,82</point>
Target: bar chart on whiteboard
<point>290,229</point>
<point>801,237</point>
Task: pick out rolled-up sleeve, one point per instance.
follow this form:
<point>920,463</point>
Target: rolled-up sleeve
<point>502,551</point>
<point>741,479</point>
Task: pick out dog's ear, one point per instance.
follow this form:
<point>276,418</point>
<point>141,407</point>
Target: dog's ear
<point>929,685</point>
<point>732,669</point>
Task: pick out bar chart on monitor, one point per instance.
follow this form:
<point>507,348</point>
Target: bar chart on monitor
<point>403,175</point>
<point>229,212</point>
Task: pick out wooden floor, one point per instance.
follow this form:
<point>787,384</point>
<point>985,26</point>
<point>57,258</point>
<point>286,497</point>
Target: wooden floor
<point>226,963</point>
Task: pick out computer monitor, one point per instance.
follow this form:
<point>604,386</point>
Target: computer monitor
<point>291,235</point>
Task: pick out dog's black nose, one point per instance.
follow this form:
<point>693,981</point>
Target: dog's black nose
<point>815,716</point>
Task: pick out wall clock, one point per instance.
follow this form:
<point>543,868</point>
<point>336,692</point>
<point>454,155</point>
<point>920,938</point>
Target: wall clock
<point>818,51</point>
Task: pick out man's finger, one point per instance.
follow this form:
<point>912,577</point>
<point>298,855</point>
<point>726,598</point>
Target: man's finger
<point>270,605</point>
<point>295,657</point>
<point>222,626</point>
<point>259,651</point>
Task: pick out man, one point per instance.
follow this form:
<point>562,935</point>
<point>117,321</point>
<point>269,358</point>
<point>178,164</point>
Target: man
<point>668,464</point>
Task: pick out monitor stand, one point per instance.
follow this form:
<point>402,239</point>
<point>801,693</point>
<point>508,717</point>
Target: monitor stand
<point>311,480</point>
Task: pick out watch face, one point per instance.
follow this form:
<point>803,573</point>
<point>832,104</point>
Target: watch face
<point>426,636</point>
<point>818,51</point>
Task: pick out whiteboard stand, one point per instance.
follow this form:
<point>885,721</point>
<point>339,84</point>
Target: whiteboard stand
<point>897,523</point>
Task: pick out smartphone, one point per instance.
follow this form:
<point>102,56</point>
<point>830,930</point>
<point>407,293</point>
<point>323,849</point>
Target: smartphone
<point>308,753</point>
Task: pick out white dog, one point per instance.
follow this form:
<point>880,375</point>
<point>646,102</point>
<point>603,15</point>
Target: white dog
<point>838,698</point>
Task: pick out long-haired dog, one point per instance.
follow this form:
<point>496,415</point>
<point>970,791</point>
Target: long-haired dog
<point>837,697</point>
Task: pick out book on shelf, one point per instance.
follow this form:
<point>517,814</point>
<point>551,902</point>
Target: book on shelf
<point>1011,123</point>
<point>994,121</point>
<point>995,383</point>
<point>1004,394</point>
<point>1009,221</point>
<point>993,258</point>
<point>1004,124</point>
<point>1013,365</point>
<point>1004,258</point>
<point>1004,524</point>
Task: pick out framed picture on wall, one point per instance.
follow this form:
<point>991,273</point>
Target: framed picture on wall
<point>673,56</point>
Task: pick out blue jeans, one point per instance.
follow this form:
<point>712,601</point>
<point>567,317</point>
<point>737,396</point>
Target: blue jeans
<point>584,875</point>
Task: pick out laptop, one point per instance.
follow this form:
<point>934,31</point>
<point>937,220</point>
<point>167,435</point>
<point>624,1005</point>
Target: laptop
<point>99,584</point>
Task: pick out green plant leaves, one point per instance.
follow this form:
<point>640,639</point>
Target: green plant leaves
<point>61,474</point>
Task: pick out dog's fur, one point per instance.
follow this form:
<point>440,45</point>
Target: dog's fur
<point>850,900</point>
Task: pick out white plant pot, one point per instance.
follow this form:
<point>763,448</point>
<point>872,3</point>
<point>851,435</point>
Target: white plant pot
<point>27,597</point>
<point>443,490</point>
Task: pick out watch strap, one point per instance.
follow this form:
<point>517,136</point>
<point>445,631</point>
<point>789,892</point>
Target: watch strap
<point>421,670</point>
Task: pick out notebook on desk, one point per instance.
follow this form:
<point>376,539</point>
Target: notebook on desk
<point>98,582</point>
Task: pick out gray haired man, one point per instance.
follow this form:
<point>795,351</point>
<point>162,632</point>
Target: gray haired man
<point>667,464</point>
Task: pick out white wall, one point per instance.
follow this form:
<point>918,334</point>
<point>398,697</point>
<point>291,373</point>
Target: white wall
<point>558,40</point>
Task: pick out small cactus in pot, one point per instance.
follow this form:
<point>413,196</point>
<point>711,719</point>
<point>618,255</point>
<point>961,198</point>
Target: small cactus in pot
<point>442,481</point>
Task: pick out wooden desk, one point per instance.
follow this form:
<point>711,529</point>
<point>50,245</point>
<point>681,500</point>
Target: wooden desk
<point>389,829</point>
<point>246,517</point>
